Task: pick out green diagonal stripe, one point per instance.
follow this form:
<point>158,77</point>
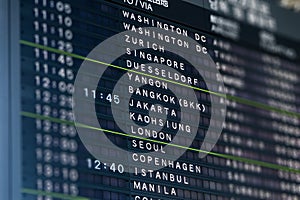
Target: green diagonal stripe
<point>231,157</point>
<point>52,194</point>
<point>230,97</point>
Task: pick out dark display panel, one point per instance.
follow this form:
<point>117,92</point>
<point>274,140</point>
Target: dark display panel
<point>257,152</point>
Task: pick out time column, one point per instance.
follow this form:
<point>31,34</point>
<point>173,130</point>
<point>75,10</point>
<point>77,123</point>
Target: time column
<point>49,143</point>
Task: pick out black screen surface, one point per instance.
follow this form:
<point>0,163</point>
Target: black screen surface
<point>196,100</point>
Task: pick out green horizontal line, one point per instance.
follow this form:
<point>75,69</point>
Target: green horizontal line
<point>52,194</point>
<point>231,157</point>
<point>230,97</point>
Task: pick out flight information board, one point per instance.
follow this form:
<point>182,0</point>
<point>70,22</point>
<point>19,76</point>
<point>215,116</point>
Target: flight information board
<point>159,99</point>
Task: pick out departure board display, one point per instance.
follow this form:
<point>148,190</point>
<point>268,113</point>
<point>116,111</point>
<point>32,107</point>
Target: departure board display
<point>159,99</point>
